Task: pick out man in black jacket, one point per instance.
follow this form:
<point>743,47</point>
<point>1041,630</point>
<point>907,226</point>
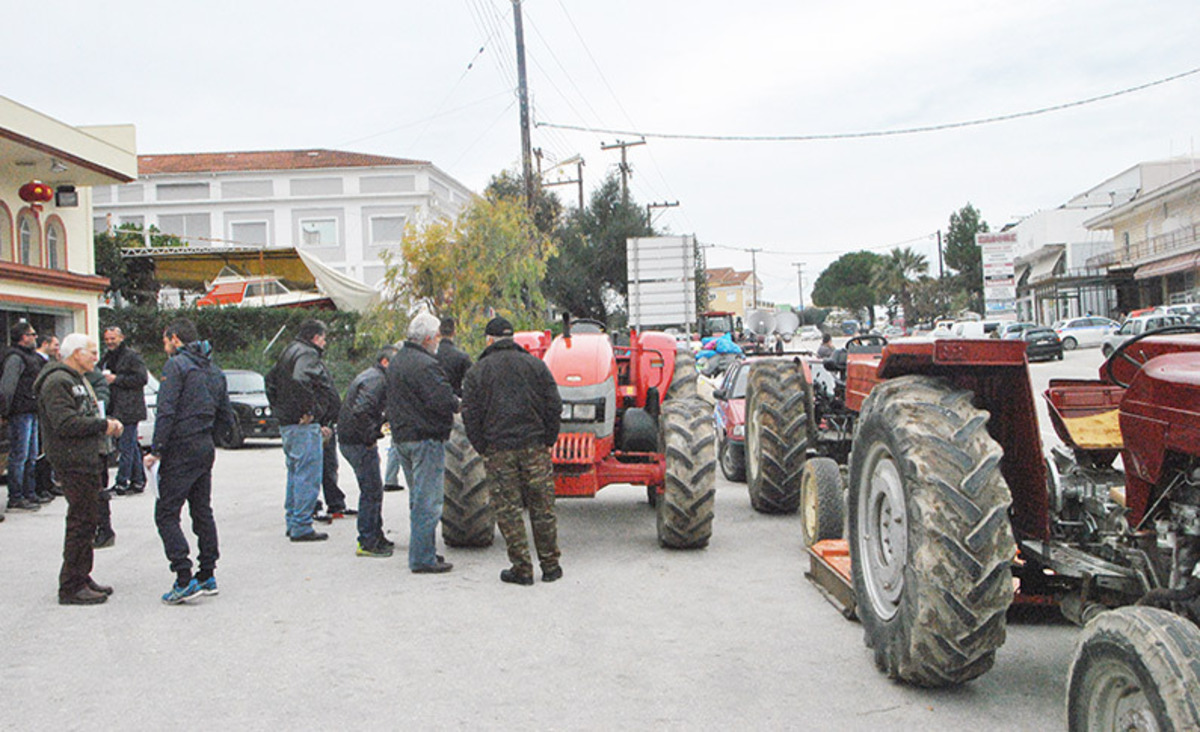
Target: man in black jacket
<point>192,400</point>
<point>126,374</point>
<point>18,370</point>
<point>76,445</point>
<point>421,407</point>
<point>305,401</point>
<point>360,423</point>
<point>511,411</point>
<point>453,359</point>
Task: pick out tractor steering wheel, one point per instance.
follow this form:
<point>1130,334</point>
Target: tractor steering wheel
<point>1122,353</point>
<point>866,340</point>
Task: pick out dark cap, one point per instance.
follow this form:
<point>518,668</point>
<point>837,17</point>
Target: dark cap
<point>498,327</point>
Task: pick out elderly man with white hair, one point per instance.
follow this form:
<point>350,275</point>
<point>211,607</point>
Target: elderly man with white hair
<point>74,434</point>
<point>421,407</point>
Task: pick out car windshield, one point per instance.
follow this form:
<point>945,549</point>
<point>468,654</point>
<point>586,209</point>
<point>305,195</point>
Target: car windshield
<point>1036,332</point>
<point>1059,325</point>
<point>246,382</point>
<point>738,390</point>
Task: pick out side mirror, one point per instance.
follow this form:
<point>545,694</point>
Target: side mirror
<point>719,394</point>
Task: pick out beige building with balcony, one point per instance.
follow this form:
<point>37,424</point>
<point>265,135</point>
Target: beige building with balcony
<point>731,291</point>
<point>1156,244</point>
<point>47,263</point>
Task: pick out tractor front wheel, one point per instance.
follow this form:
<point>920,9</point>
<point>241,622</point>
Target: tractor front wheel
<point>822,501</point>
<point>1135,668</point>
<point>467,516</point>
<point>777,434</point>
<point>687,437</point>
<point>930,541</point>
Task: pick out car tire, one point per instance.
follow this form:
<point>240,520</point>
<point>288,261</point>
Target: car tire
<point>1106,350</point>
<point>1069,344</point>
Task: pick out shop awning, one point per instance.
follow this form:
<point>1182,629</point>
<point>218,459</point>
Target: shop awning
<point>1043,268</point>
<point>1179,263</point>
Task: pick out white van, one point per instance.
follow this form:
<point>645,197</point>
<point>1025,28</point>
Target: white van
<point>975,328</point>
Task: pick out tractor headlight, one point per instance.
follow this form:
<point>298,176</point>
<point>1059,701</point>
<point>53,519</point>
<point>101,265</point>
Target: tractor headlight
<point>582,411</point>
<point>585,412</point>
<point>566,412</point>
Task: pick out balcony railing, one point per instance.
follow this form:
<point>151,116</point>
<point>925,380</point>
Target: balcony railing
<point>1177,241</point>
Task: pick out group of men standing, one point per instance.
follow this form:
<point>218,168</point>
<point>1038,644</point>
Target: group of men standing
<point>511,411</point>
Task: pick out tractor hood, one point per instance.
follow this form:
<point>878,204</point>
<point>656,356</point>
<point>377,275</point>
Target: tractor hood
<point>581,360</point>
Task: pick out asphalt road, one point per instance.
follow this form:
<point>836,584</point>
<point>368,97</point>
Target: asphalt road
<point>634,636</point>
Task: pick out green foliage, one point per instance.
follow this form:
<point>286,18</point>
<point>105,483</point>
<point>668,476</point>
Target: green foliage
<point>847,283</point>
<point>813,316</point>
<point>591,253</point>
<point>547,208</point>
<point>131,279</point>
<point>893,279</point>
<point>240,336</point>
<point>962,254</point>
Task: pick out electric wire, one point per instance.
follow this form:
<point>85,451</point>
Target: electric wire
<point>878,133</point>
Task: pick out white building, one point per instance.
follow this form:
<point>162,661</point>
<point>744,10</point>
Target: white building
<point>47,263</point>
<point>346,208</point>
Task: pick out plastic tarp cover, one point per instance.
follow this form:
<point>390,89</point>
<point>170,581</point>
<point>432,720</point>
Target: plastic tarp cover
<point>346,292</point>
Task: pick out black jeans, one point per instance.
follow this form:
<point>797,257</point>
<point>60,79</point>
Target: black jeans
<point>185,476</point>
<point>82,490</point>
<point>335,499</point>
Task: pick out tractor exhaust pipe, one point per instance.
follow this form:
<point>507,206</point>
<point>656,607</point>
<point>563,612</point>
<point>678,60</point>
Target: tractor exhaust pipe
<point>566,325</point>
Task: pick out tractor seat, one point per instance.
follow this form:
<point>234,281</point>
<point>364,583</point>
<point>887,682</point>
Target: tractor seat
<point>1100,431</point>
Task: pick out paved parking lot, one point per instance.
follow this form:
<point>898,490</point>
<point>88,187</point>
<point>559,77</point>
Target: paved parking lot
<point>633,637</point>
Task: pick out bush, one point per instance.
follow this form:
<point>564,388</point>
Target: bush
<point>249,338</point>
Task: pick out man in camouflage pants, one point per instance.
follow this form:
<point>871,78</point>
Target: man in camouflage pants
<point>511,411</point>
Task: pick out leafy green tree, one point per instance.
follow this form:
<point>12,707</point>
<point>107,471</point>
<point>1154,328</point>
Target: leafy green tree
<point>130,278</point>
<point>962,254</point>
<point>893,279</point>
<point>547,208</point>
<point>591,262</point>
<point>847,283</point>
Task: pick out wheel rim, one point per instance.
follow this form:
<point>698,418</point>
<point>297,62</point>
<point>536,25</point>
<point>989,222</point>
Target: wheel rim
<point>727,465</point>
<point>883,533</point>
<point>751,449</point>
<point>1118,700</point>
<point>1068,344</point>
<point>808,504</point>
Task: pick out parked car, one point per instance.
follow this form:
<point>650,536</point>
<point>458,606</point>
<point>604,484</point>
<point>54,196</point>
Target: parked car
<point>1083,332</point>
<point>893,331</point>
<point>1041,344</point>
<point>809,333</point>
<point>730,416</point>
<point>1185,310</point>
<point>146,426</point>
<point>1015,330</point>
<point>975,328</point>
<point>849,327</point>
<point>252,410</point>
<point>1136,326</point>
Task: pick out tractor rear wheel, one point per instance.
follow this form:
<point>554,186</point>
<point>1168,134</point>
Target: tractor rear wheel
<point>467,516</point>
<point>778,401</point>
<point>822,501</point>
<point>683,381</point>
<point>1135,668</point>
<point>687,436</point>
<point>930,540</point>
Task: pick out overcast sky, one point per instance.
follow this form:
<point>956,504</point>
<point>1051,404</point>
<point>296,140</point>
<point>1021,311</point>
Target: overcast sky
<point>407,79</point>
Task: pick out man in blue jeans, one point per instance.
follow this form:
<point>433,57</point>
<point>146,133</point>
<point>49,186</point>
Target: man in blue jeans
<point>360,423</point>
<point>421,407</point>
<point>304,399</point>
<point>18,370</point>
<point>125,372</point>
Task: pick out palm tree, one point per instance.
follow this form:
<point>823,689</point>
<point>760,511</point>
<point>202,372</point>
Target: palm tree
<point>896,276</point>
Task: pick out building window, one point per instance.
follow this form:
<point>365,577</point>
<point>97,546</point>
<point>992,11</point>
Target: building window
<point>249,233</point>
<point>29,240</point>
<point>318,232</point>
<point>387,229</point>
<point>56,244</point>
<point>189,227</point>
<point>6,235</point>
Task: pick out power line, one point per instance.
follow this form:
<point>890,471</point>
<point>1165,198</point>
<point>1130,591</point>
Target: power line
<point>875,133</point>
<point>835,252</point>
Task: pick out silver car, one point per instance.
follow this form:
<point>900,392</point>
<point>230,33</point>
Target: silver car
<point>1086,331</point>
<point>1135,327</point>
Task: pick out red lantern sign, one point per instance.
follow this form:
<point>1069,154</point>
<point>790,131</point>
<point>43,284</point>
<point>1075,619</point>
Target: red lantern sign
<point>36,192</point>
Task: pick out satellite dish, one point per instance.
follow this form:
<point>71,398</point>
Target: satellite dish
<point>787,322</point>
<point>759,322</point>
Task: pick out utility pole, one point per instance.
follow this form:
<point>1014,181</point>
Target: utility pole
<point>578,161</point>
<point>754,277</point>
<point>625,169</point>
<point>523,93</point>
<point>940,273</point>
<point>664,204</point>
<point>800,283</point>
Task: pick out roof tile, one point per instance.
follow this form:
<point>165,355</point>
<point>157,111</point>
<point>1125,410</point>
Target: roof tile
<point>224,162</point>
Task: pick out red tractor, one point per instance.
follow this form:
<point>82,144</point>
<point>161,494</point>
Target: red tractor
<point>950,505</point>
<point>630,415</point>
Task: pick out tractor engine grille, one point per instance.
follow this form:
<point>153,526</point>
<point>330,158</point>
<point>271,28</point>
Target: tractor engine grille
<point>573,448</point>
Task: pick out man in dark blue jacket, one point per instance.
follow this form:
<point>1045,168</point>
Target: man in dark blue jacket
<point>192,399</point>
<point>360,422</point>
<point>421,407</point>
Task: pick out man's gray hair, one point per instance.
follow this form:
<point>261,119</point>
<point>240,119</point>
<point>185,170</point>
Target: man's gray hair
<point>73,343</point>
<point>423,327</point>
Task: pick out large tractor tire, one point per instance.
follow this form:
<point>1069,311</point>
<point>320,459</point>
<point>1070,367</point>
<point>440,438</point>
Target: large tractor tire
<point>683,381</point>
<point>467,516</point>
<point>822,501</point>
<point>778,404</point>
<point>1135,668</point>
<point>930,540</point>
<point>685,509</point>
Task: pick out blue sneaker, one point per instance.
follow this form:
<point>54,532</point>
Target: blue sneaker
<point>209,586</point>
<point>179,595</point>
